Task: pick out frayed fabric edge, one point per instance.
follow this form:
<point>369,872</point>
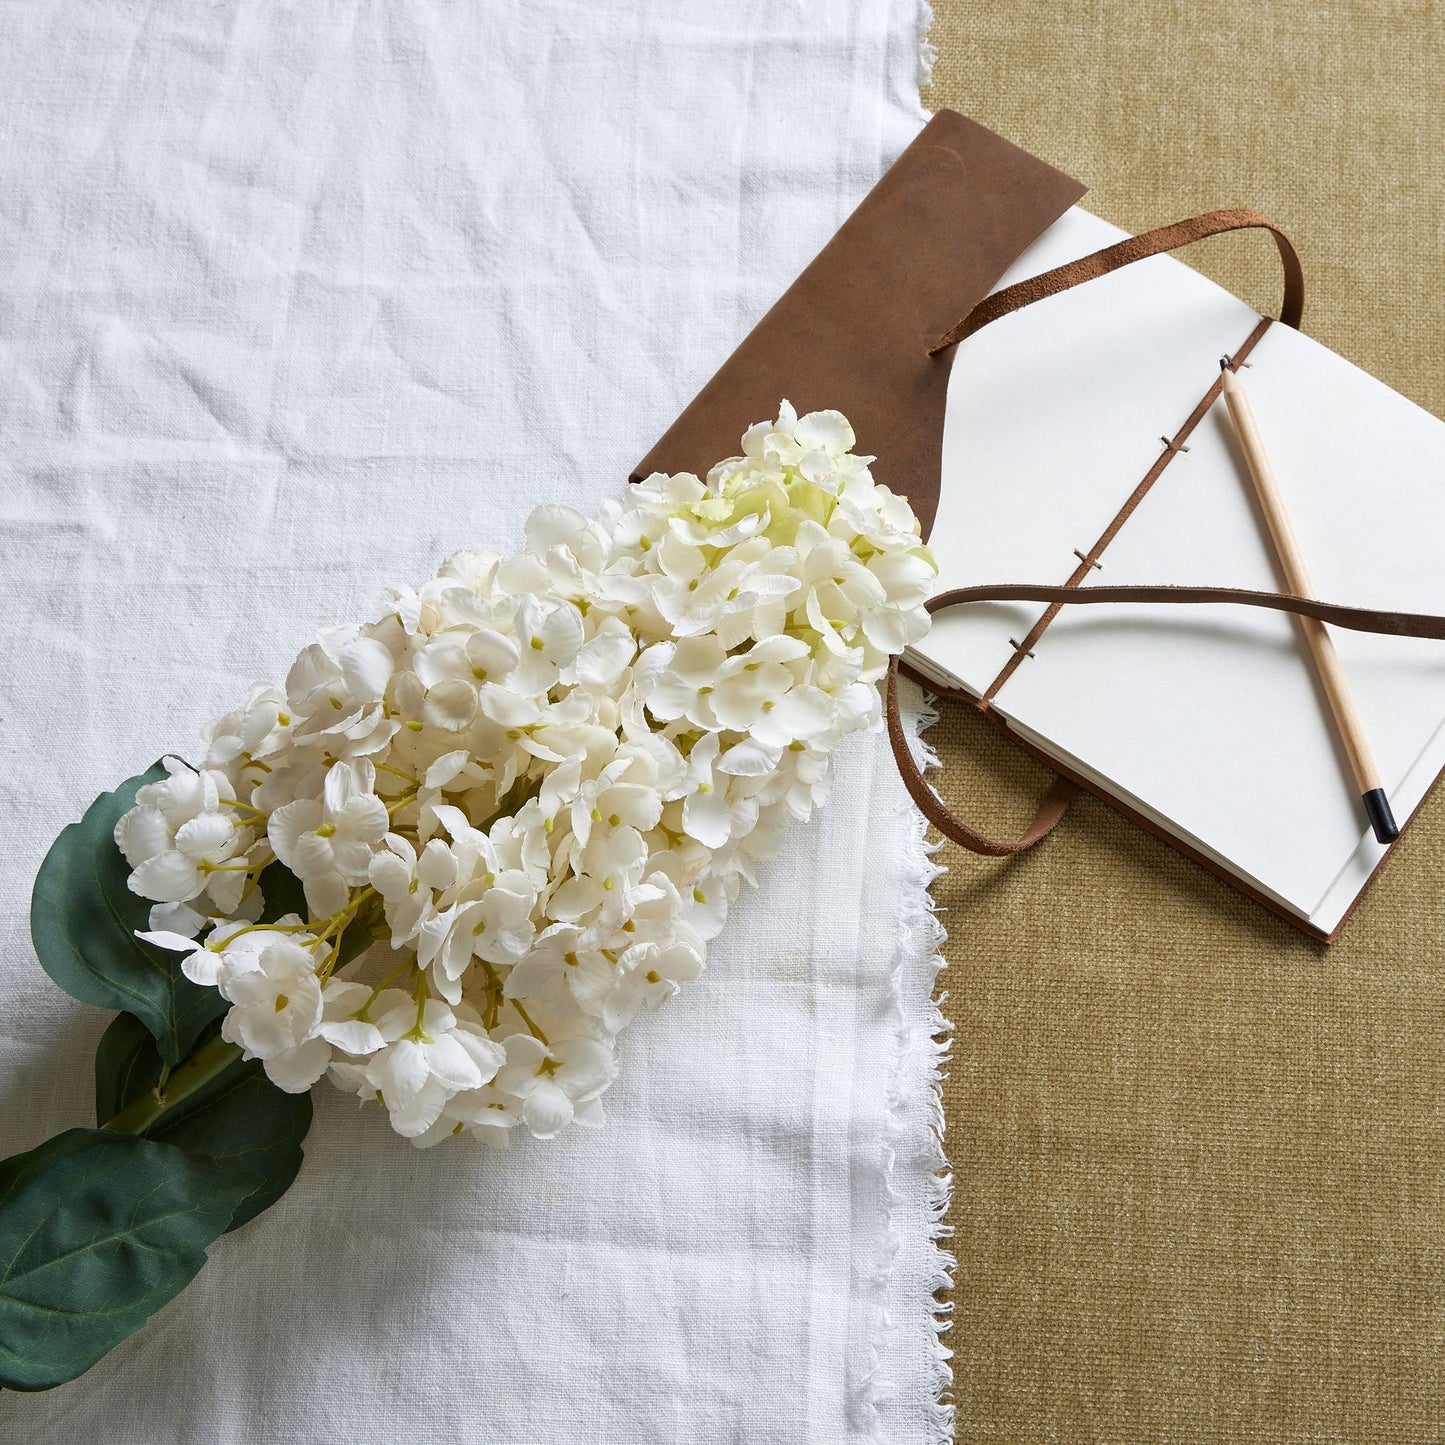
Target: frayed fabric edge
<point>927,51</point>
<point>916,1177</point>
<point>923,1184</point>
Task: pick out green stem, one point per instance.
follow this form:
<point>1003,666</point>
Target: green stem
<point>376,992</point>
<point>494,996</point>
<point>531,1027</point>
<point>387,768</point>
<point>202,1066</point>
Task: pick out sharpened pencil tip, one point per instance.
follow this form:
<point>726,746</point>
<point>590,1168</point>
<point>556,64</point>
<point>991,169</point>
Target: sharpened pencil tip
<point>1224,363</point>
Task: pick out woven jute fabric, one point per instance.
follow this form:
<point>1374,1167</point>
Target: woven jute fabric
<point>1199,1191</point>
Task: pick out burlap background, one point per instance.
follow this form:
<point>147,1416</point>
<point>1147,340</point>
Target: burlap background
<point>1198,1158</point>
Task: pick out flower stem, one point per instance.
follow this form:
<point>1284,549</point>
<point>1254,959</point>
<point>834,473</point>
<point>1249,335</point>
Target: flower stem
<point>387,768</point>
<point>237,803</point>
<point>531,1027</point>
<point>376,992</point>
<point>422,994</point>
<point>494,996</point>
<point>254,928</point>
<point>183,1081</point>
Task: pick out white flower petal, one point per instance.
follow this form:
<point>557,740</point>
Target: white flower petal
<point>176,942</point>
<point>604,659</point>
<point>400,1072</point>
<point>828,430</point>
<point>206,835</point>
<point>295,1070</point>
<point>203,966</point>
<point>441,661</point>
<point>588,1114</point>
<point>887,630</point>
<point>352,1036</point>
<point>311,856</point>
<point>450,705</point>
<point>588,1067</point>
<point>142,833</point>
<point>177,918</point>
<point>561,633</point>
<point>487,1054</point>
<point>168,878</point>
<point>452,1065</point>
<point>389,875</point>
<point>420,1112</point>
<point>446,767</point>
<point>326,894</point>
<point>366,668</point>
<point>364,819</point>
<point>547,1110</point>
<point>707,817</point>
<point>289,822</point>
<point>749,759</point>
<point>437,866</point>
<point>907,578</point>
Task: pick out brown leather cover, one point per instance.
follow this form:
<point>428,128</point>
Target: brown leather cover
<point>853,331</point>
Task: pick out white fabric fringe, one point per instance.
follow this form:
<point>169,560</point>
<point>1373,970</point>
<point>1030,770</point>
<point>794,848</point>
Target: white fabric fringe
<point>916,1265</point>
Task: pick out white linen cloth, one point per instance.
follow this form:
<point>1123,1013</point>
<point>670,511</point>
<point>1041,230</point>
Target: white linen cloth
<point>295,300</point>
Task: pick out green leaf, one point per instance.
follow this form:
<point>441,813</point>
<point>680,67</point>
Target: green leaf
<point>282,892</point>
<point>83,918</point>
<point>97,1232</point>
<point>244,1122</point>
<point>127,1063</point>
<point>355,939</point>
<point>239,1120</point>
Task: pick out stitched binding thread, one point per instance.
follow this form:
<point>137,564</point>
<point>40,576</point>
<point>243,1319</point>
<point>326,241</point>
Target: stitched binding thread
<point>1173,447</point>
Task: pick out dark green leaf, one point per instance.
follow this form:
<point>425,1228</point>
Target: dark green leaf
<point>244,1122</point>
<point>240,1119</point>
<point>282,891</point>
<point>97,1232</point>
<point>127,1063</point>
<point>83,919</point>
<point>355,939</point>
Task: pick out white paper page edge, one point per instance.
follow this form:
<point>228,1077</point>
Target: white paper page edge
<point>1351,880</point>
<point>1405,799</point>
<point>1166,824</point>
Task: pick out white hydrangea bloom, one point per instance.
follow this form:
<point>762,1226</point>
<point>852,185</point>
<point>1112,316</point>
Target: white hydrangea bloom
<point>534,786</point>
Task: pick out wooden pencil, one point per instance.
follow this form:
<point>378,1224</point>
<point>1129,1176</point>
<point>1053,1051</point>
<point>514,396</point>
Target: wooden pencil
<point>1296,576</point>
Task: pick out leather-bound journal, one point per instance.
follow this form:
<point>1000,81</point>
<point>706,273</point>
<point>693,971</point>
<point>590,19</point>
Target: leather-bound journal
<point>1045,391</point>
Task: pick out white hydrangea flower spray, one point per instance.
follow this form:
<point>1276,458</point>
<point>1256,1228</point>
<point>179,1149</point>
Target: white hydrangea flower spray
<point>532,788</point>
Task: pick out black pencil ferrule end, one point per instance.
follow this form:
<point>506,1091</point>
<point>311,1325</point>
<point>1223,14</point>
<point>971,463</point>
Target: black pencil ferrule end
<point>1382,820</point>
